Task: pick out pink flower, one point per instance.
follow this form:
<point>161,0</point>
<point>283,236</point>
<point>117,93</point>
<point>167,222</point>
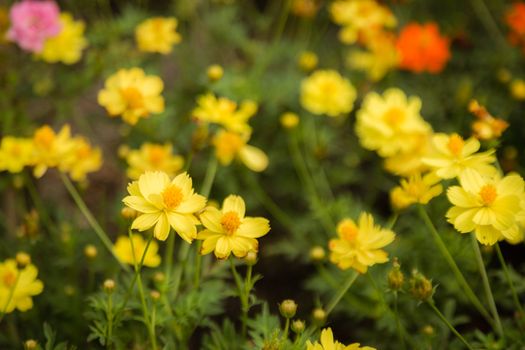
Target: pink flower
<point>32,22</point>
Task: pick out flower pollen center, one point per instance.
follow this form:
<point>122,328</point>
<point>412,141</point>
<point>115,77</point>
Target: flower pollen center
<point>133,97</point>
<point>488,194</point>
<point>455,144</point>
<point>156,155</point>
<point>172,197</point>
<point>230,222</point>
<point>394,116</point>
<point>9,279</point>
<point>349,231</point>
<point>44,137</point>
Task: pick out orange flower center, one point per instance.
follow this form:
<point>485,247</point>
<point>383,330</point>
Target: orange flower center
<point>172,197</point>
<point>133,97</point>
<point>455,144</point>
<point>230,222</point>
<point>228,143</point>
<point>44,137</point>
<point>394,116</point>
<point>9,279</point>
<point>348,231</point>
<point>488,194</point>
<point>83,152</point>
<point>156,155</point>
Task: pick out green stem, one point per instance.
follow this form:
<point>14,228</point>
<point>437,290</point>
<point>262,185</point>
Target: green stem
<point>282,20</point>
<point>509,280</point>
<point>488,22</point>
<point>453,266</point>
<point>90,218</point>
<point>110,320</point>
<point>198,266</point>
<point>450,326</point>
<point>342,291</point>
<point>181,264</point>
<point>286,328</point>
<point>168,261</point>
<point>398,323</point>
<point>486,285</point>
<point>243,296</point>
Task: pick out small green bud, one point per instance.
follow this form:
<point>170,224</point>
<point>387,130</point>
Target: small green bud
<point>288,308</point>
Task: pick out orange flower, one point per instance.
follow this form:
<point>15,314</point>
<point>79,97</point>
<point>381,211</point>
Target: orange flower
<point>515,18</point>
<point>422,48</point>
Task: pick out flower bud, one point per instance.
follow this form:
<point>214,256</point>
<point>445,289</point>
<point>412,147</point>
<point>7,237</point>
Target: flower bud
<point>155,295</point>
<point>128,213</point>
<point>90,251</point>
<point>289,120</point>
<point>428,330</point>
<point>420,287</point>
<point>288,308</point>
<point>307,61</point>
<point>298,326</point>
<point>159,277</point>
<point>215,72</point>
<point>69,290</point>
<point>395,276</point>
<point>22,259</point>
<point>109,285</point>
<point>317,253</point>
<point>319,316</point>
<point>30,344</point>
<point>251,258</point>
<point>517,89</point>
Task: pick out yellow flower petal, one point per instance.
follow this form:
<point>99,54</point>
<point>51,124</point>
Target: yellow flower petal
<point>234,203</point>
<point>162,228</point>
<point>254,158</point>
<point>145,221</point>
<point>253,227</point>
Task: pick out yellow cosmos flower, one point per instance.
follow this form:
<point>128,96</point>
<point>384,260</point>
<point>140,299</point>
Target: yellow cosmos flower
<point>416,189</point>
<point>15,153</point>
<point>132,94</point>
<point>453,156</point>
<point>131,250</point>
<point>225,112</point>
<point>328,343</point>
<point>67,46</point>
<point>81,159</point>
<point>327,92</point>
<point>228,230</point>
<point>153,157</point>
<point>390,124</point>
<point>229,145</point>
<point>163,203</point>
<point>157,34</point>
<point>490,207</point>
<point>50,149</point>
<point>359,247</point>
<point>410,162</point>
<point>25,285</point>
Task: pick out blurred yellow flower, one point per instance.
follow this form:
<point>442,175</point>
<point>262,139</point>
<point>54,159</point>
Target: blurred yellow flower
<point>289,120</point>
<point>81,159</point>
<point>132,94</point>
<point>328,343</point>
<point>67,46</point>
<point>410,162</point>
<point>163,203</point>
<point>305,8</point>
<point>228,230</point>
<point>225,112</point>
<point>153,157</point>
<point>453,155</point>
<point>517,89</point>
<point>25,285</point>
<point>327,92</point>
<point>229,145</point>
<point>491,207</point>
<point>307,61</point>
<point>157,34</point>
<point>391,124</point>
<point>415,189</point>
<point>359,247</point>
<point>486,127</point>
<point>15,153</point>
<point>50,149</point>
<point>131,250</point>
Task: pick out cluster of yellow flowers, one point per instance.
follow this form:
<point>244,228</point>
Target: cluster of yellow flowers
<point>231,140</point>
<point>47,149</point>
<point>328,343</point>
<point>163,203</point>
<point>131,250</point>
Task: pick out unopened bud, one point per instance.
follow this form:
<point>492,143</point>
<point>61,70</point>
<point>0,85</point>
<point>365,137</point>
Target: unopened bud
<point>289,120</point>
<point>30,344</point>
<point>307,61</point>
<point>317,253</point>
<point>319,316</point>
<point>420,287</point>
<point>90,251</point>
<point>22,259</point>
<point>109,285</point>
<point>159,277</point>
<point>428,330</point>
<point>251,258</point>
<point>288,308</point>
<point>395,276</point>
<point>128,213</point>
<point>215,72</point>
<point>155,295</point>
<point>298,326</point>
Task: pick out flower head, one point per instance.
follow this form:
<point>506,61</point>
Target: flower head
<point>50,149</point>
<point>162,203</point>
<point>15,153</point>
<point>422,48</point>
<point>130,251</point>
<point>153,157</point>
<point>32,22</point>
<point>230,145</point>
<point>491,207</point>
<point>228,230</point>
<point>328,343</point>
<point>416,189</point>
<point>81,159</point>
<point>18,285</point>
<point>132,94</point>
<point>157,34</point>
<point>486,127</point>
<point>327,92</point>
<point>359,247</point>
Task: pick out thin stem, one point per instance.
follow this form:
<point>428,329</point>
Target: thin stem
<point>449,325</point>
<point>486,285</point>
<point>398,323</point>
<point>168,261</point>
<point>282,20</point>
<point>110,320</point>
<point>509,280</point>
<point>342,291</point>
<point>453,266</point>
<point>286,328</point>
<point>181,264</point>
<point>90,218</point>
<point>198,266</point>
<point>243,296</point>
<point>488,21</point>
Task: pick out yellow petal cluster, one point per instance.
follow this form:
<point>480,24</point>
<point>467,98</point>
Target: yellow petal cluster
<point>157,34</point>
<point>328,343</point>
<point>132,94</point>
<point>81,159</point>
<point>67,46</point>
<point>491,207</point>
<point>228,230</point>
<point>18,286</point>
<point>163,203</point>
<point>415,189</point>
<point>230,145</point>
<point>327,92</point>
<point>359,246</point>
<point>130,251</point>
<point>15,153</point>
<point>153,157</point>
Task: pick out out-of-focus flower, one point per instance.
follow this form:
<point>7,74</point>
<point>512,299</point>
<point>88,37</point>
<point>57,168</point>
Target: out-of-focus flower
<point>18,285</point>
<point>416,189</point>
<point>215,72</point>
<point>486,127</point>
<point>491,207</point>
<point>307,61</point>
<point>422,48</point>
<point>328,343</point>
<point>67,46</point>
<point>453,156</point>
<point>420,287</point>
<point>130,251</point>
<point>305,8</point>
<point>228,230</point>
<point>225,112</point>
<point>359,247</point>
<point>515,19</point>
<point>162,203</point>
<point>390,124</point>
<point>360,16</point>
<point>517,89</point>
<point>15,153</point>
<point>81,159</point>
<point>327,92</point>
<point>229,145</point>
<point>153,157</point>
<point>157,34</point>
<point>50,149</point>
<point>289,120</point>
<point>32,22</point>
<point>132,94</point>
<point>410,162</point>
